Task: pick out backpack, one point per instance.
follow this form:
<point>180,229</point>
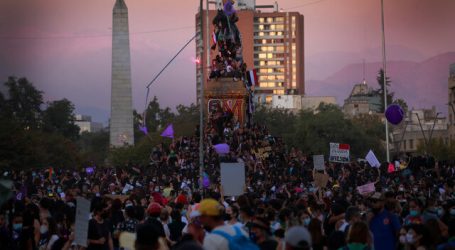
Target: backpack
<point>238,241</point>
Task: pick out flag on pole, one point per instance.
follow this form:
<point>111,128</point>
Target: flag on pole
<point>205,180</point>
<point>214,37</point>
<point>372,160</point>
<point>143,129</point>
<point>51,172</point>
<point>252,78</point>
<point>168,132</point>
<point>221,148</point>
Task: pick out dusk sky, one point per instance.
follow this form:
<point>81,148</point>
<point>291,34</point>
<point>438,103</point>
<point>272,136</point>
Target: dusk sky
<point>64,47</point>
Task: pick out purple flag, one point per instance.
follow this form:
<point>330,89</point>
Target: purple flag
<point>221,148</point>
<point>22,194</point>
<point>229,8</point>
<point>205,180</point>
<point>89,170</point>
<point>168,132</point>
<point>143,129</point>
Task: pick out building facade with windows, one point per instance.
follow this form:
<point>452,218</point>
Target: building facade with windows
<point>278,55</point>
<point>362,100</point>
<point>272,44</point>
<point>418,127</point>
<point>451,104</point>
<point>85,124</point>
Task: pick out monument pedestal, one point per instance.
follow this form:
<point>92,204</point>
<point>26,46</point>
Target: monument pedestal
<point>227,95</point>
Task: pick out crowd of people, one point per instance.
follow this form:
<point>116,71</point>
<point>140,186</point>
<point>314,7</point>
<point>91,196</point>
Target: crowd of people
<point>165,206</point>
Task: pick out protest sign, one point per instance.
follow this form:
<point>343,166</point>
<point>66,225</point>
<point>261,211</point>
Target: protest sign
<point>339,152</point>
<point>82,219</point>
<point>372,160</point>
<point>263,153</point>
<point>321,180</point>
<point>122,198</point>
<point>126,240</point>
<point>232,178</point>
<point>366,189</point>
<point>318,162</point>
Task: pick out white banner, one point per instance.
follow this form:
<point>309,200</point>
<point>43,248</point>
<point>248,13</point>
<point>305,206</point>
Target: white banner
<point>366,189</point>
<point>82,219</point>
<point>318,162</point>
<point>232,178</point>
<point>372,160</point>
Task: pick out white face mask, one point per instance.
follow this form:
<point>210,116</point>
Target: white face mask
<point>403,239</point>
<point>410,238</point>
<point>43,229</point>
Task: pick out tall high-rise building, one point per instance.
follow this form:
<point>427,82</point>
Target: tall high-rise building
<point>272,44</point>
<point>121,121</point>
<point>451,103</point>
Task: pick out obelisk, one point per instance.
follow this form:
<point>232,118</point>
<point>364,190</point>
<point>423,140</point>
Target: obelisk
<point>121,122</point>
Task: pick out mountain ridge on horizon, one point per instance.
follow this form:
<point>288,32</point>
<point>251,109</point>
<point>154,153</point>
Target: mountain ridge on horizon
<point>431,71</point>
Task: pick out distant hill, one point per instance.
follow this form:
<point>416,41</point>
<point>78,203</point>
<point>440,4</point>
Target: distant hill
<point>420,84</point>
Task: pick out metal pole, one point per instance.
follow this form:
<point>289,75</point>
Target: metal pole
<point>402,137</point>
<point>207,31</point>
<point>384,81</point>
<point>432,128</point>
<point>423,133</point>
<point>201,100</point>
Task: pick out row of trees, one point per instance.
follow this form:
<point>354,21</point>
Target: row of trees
<point>34,133</point>
<point>38,134</point>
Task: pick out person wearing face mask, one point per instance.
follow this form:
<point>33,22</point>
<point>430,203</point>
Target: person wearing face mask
<point>384,225</point>
<point>415,210</point>
<point>99,236</point>
<point>402,238</point>
<point>231,215</point>
<point>418,237</point>
<point>260,234</point>
<point>49,234</point>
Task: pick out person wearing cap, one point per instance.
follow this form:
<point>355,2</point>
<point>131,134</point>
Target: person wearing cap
<point>154,212</point>
<point>384,225</point>
<point>297,238</point>
<point>261,235</point>
<point>210,214</point>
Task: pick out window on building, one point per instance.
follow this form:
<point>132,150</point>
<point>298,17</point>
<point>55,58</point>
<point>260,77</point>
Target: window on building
<point>268,99</point>
<point>411,144</point>
<point>261,27</point>
<point>259,99</point>
<point>269,19</point>
<point>263,84</point>
<point>262,56</point>
<point>261,19</point>
<point>279,19</point>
